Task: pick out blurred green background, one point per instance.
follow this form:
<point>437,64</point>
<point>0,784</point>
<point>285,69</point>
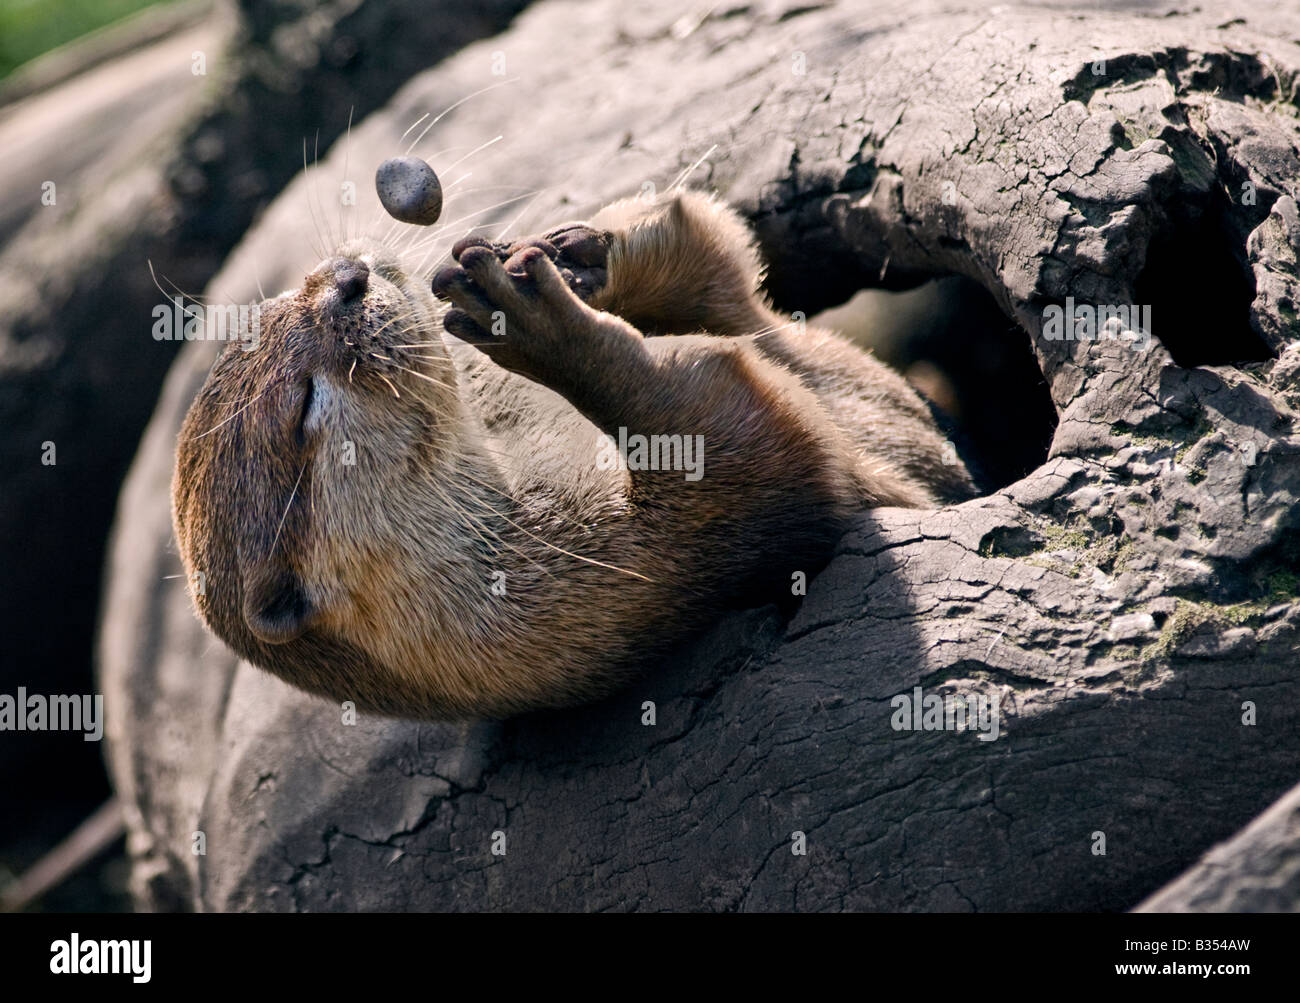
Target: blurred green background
<point>30,27</point>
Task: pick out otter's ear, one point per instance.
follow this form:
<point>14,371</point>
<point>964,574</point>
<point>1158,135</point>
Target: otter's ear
<point>275,607</point>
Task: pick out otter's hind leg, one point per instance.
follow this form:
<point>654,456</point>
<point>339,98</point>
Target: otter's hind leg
<point>692,264</point>
<point>682,264</point>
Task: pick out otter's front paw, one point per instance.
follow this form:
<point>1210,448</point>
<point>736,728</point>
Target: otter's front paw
<point>520,312</point>
<point>579,252</point>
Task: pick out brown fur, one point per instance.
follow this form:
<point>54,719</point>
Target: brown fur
<point>374,582</point>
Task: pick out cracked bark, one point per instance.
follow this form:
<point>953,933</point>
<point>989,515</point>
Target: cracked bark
<point>1130,601</point>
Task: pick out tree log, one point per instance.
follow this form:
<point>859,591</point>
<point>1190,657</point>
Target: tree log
<point>1258,870</point>
<point>1131,604</point>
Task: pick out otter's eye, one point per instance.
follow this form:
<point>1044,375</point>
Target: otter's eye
<point>308,396</point>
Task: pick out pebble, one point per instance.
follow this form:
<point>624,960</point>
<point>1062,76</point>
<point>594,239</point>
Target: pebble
<point>409,190</point>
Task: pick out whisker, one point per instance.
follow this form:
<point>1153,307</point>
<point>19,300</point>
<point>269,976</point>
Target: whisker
<point>384,327</point>
<point>312,186</point>
<point>233,416</point>
<point>292,494</point>
<point>681,178</point>
<point>424,377</point>
<point>390,385</point>
<point>551,546</point>
<point>535,196</point>
<point>177,290</point>
<point>773,330</point>
<point>347,160</point>
<point>470,215</point>
<point>511,457</point>
<point>481,146</point>
<point>452,107</point>
<point>412,126</point>
<point>311,209</point>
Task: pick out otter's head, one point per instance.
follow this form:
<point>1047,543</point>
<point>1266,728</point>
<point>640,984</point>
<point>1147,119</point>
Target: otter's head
<point>302,464</point>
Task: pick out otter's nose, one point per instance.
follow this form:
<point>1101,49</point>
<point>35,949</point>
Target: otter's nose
<point>350,278</point>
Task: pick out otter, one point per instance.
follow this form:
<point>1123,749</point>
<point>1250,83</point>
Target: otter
<point>432,526</point>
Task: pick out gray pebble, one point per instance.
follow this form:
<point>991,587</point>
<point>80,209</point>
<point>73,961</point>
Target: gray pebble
<point>409,190</point>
